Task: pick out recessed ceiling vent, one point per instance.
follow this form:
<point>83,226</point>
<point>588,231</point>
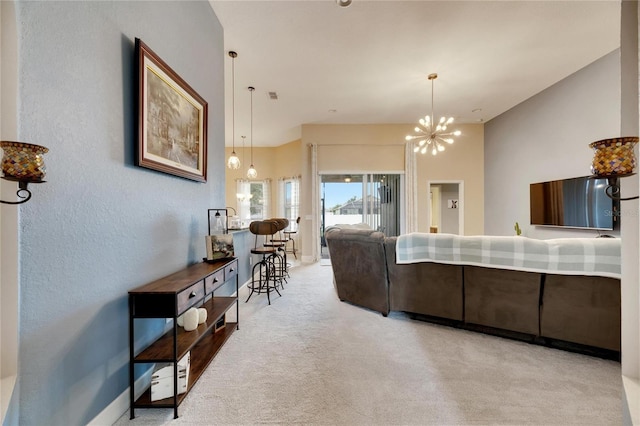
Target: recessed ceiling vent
<point>273,96</point>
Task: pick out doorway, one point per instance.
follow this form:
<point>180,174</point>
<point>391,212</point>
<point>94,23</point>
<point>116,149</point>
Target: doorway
<point>446,207</point>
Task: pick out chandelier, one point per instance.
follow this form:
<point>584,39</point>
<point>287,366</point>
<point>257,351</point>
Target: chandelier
<point>431,135</point>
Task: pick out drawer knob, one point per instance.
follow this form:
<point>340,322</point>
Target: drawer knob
<point>231,270</point>
<point>192,295</point>
<point>215,280</point>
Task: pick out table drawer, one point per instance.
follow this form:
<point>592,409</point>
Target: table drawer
<point>231,270</point>
<point>190,296</point>
<point>213,281</point>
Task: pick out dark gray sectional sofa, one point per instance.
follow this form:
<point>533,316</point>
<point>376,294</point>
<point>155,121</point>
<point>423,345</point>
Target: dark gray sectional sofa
<point>578,313</point>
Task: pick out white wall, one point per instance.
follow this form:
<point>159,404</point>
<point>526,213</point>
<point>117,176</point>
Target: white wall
<point>630,294</point>
<point>546,138</point>
<point>8,214</point>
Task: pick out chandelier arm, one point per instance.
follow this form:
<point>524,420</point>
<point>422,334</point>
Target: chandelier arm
<point>447,134</point>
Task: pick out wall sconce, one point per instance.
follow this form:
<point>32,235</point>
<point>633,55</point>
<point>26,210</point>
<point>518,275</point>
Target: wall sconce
<point>614,158</point>
<point>23,163</point>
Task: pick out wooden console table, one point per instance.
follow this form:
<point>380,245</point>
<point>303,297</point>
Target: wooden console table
<point>170,297</point>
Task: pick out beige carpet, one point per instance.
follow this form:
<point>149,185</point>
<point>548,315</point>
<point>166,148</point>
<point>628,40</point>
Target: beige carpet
<point>309,359</point>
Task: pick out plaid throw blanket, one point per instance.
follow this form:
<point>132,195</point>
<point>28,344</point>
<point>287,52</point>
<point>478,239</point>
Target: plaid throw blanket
<point>568,256</point>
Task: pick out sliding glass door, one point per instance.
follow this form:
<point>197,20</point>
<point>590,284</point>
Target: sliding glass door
<point>373,199</point>
<point>383,197</point>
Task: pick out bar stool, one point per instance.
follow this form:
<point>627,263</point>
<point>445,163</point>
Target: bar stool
<point>267,274</point>
<point>289,235</point>
<point>279,242</point>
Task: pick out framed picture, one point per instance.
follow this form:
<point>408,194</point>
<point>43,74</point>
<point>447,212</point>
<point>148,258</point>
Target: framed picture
<point>172,120</point>
<point>219,246</point>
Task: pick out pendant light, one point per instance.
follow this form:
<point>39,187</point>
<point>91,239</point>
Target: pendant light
<point>431,135</point>
<point>252,173</point>
<point>233,162</point>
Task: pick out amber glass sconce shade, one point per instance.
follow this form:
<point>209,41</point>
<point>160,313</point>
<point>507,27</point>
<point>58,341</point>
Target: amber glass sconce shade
<point>24,163</point>
<point>612,159</point>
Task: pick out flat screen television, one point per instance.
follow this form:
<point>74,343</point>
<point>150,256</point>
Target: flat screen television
<point>574,203</point>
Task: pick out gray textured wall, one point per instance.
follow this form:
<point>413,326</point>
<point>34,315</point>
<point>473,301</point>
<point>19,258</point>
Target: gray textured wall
<point>545,138</point>
<point>101,226</point>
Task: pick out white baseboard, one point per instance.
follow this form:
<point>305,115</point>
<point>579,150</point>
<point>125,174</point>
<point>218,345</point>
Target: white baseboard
<point>7,384</point>
<point>631,401</point>
<point>121,404</point>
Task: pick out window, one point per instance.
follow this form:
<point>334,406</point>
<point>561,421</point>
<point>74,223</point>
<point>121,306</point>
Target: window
<point>256,203</point>
<point>254,199</point>
<point>289,200</point>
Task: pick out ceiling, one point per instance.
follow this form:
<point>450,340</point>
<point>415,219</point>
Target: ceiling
<point>369,62</point>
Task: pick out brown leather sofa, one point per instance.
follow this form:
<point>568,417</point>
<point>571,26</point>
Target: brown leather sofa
<point>580,313</point>
<point>359,268</point>
<point>429,289</point>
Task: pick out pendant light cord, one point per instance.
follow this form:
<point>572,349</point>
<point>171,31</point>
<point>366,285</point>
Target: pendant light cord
<point>251,89</point>
<point>233,162</point>
<point>432,77</point>
<point>243,137</point>
<point>233,100</point>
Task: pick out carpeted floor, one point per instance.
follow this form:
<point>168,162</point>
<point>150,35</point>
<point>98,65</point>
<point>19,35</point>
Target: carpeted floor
<point>309,359</point>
